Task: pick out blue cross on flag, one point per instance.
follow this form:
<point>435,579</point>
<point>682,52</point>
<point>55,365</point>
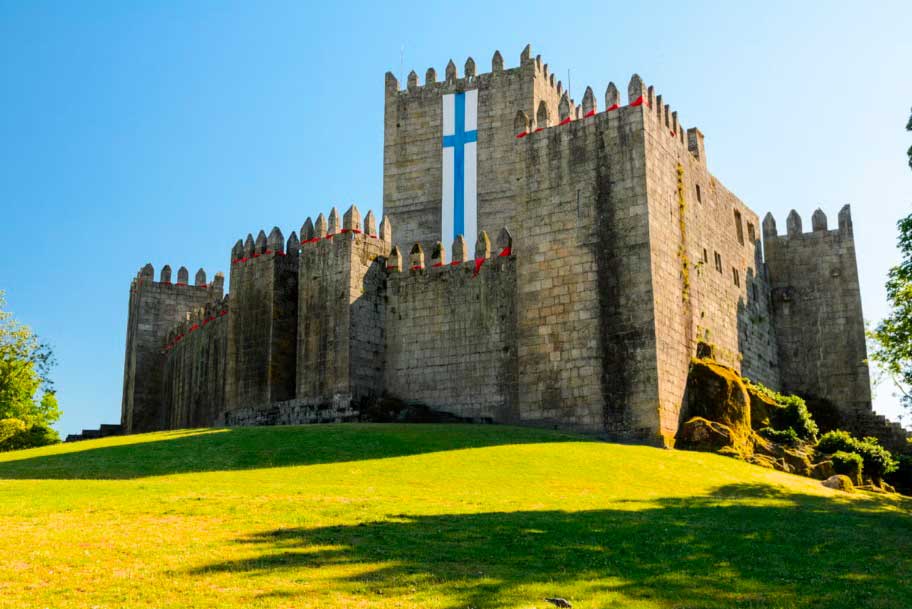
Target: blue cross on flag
<point>459,215</point>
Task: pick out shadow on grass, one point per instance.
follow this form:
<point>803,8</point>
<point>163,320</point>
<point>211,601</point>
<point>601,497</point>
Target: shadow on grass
<point>261,447</point>
<point>742,546</point>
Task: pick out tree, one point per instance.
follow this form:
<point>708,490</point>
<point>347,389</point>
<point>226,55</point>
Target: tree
<point>893,336</point>
<point>26,390</point>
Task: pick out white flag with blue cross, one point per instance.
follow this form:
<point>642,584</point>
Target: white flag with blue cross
<point>459,215</point>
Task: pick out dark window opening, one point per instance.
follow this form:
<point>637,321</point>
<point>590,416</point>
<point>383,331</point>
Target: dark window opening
<point>736,277</point>
<point>738,227</point>
<point>751,233</point>
<point>699,197</point>
<point>718,260</point>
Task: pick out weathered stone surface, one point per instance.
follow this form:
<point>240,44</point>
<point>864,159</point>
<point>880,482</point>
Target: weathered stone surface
<point>823,470</point>
<point>701,434</point>
<point>717,393</point>
<point>840,483</point>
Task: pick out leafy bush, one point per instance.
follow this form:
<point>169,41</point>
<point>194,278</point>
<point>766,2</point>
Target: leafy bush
<point>877,460</point>
<point>795,415</point>
<point>16,434</point>
<point>780,436</point>
<point>849,464</point>
<point>791,414</point>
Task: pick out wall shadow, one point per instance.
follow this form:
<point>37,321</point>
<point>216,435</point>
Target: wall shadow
<point>743,545</point>
<point>242,448</point>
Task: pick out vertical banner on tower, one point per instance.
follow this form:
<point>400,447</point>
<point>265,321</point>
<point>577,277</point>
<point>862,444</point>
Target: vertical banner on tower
<point>459,209</point>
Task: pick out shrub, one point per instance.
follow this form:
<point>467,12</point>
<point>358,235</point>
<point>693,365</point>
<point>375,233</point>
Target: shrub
<point>25,436</point>
<point>787,437</point>
<point>792,412</point>
<point>878,461</point>
<point>849,464</point>
<point>794,415</point>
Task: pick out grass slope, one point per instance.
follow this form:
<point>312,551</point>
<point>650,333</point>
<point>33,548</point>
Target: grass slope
<point>379,516</point>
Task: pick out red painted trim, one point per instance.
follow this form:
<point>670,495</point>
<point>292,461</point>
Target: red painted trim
<point>590,113</point>
<point>505,252</point>
<point>478,263</point>
<point>519,136</point>
<point>612,108</point>
<point>539,129</point>
<point>456,262</point>
<point>638,102</point>
<point>417,267</point>
<point>439,264</point>
<point>565,121</point>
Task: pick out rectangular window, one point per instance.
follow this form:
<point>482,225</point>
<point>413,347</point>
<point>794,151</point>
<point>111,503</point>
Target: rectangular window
<point>718,260</point>
<point>751,234</point>
<point>736,277</point>
<point>705,256</point>
<point>699,198</point>
<point>738,227</point>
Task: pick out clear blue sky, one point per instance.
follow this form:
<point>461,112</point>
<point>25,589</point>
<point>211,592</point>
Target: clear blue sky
<point>163,131</point>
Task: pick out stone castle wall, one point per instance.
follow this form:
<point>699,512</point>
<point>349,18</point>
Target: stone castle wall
<point>193,382</point>
<point>817,311</point>
<point>154,309</point>
<point>451,336</point>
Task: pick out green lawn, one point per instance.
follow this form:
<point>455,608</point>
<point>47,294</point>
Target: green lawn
<point>438,516</point>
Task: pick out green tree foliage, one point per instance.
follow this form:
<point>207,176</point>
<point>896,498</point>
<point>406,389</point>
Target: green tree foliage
<point>893,336</point>
<point>28,404</point>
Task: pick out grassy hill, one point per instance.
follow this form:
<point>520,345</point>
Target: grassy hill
<point>381,516</point>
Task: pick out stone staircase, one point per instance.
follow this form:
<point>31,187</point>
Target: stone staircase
<point>103,431</point>
<point>891,434</point>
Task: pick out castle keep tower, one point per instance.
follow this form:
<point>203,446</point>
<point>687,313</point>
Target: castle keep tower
<point>539,262</point>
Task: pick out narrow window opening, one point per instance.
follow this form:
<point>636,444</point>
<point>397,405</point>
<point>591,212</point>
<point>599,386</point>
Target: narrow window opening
<point>738,227</point>
<point>699,197</point>
<point>736,277</point>
<point>751,233</point>
<point>718,260</point>
<point>705,256</point>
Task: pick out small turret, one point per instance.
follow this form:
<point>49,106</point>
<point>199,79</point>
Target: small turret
<point>412,81</point>
<point>818,221</point>
<point>320,227</point>
<point>416,258</point>
<point>612,97</point>
<point>259,246</point>
<point>470,68</point>
<point>183,276</point>
<point>497,62</point>
<point>394,262</point>
<point>248,246</point>
<point>589,105</point>
<point>430,77</point>
<point>147,272</point>
<point>307,231</point>
<point>845,219</point>
<point>438,255</point>
<point>351,222</point>
<point>386,230</point>
<point>334,224</point>
<point>635,90</point>
<point>483,246</point>
<point>275,243</point>
<point>460,250</point>
<point>504,243</point>
<point>370,224</point>
<point>793,224</point>
<point>769,226</point>
<point>200,279</point>
<point>165,275</point>
<point>451,72</point>
<point>526,55</point>
<point>293,246</point>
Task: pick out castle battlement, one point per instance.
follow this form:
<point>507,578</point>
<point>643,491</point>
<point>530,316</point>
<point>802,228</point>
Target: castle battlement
<point>818,225</point>
<point>617,251</point>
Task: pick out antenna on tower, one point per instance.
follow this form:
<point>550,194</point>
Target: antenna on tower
<point>402,63</point>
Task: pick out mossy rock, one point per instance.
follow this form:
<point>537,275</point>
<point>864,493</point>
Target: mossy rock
<point>798,459</point>
<point>840,483</point>
<point>762,407</point>
<point>823,470</point>
<point>702,434</point>
<point>717,393</point>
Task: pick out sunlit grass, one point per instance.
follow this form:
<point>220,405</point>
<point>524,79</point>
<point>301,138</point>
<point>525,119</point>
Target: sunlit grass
<point>431,516</point>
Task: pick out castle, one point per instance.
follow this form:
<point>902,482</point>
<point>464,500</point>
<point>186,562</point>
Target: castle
<point>538,262</point>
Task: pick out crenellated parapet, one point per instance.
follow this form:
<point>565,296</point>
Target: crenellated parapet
<point>417,263</point>
<point>819,225</point>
